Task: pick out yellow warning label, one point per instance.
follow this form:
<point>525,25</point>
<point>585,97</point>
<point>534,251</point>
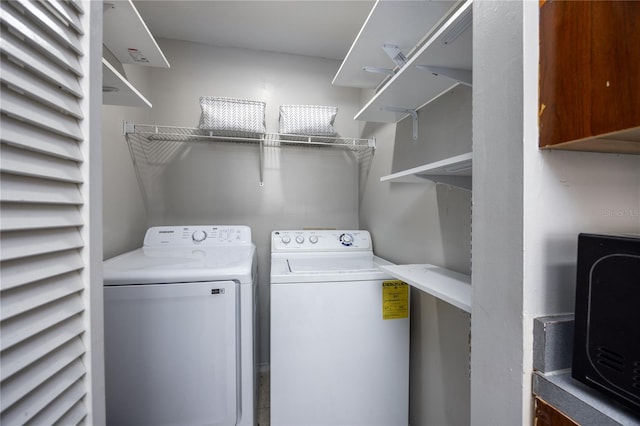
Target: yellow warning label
<point>395,299</point>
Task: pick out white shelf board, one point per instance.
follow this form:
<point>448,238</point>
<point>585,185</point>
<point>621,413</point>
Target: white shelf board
<point>124,29</point>
<point>413,88</point>
<point>125,93</point>
<point>449,286</point>
<point>401,23</point>
<point>454,171</point>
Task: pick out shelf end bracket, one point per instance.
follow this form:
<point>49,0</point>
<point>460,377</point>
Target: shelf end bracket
<point>414,116</point>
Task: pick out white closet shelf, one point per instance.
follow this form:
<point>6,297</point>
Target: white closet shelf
<point>455,171</point>
<point>116,89</point>
<point>127,36</point>
<point>399,23</point>
<point>441,63</point>
<point>449,286</point>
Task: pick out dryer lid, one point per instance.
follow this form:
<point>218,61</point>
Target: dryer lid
<point>148,265</point>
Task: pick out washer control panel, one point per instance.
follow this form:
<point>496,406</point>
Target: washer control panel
<point>320,240</point>
<point>197,235</point>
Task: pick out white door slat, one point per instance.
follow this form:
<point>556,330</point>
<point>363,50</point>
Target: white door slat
<point>38,39</point>
<point>37,63</point>
<point>77,5</point>
<point>30,85</point>
<point>28,379</point>
<point>25,163</point>
<point>16,217</point>
<point>64,15</point>
<point>18,329</point>
<point>24,298</point>
<point>54,414</point>
<point>61,33</point>
<point>74,416</point>
<point>32,138</point>
<point>21,244</point>
<point>44,356</point>
<point>20,107</point>
<point>18,358</point>
<point>25,410</point>
<point>14,188</point>
<point>18,272</point>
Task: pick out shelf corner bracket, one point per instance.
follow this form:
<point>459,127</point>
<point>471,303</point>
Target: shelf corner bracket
<point>128,128</point>
<point>462,76</point>
<point>414,116</point>
<point>395,54</point>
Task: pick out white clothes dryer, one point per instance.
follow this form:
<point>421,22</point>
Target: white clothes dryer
<point>339,332</point>
<point>180,345</point>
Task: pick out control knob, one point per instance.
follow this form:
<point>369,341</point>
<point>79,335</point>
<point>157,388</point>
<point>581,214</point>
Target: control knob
<point>198,236</point>
<point>346,239</point>
<point>313,239</point>
<point>299,239</point>
<point>286,239</point>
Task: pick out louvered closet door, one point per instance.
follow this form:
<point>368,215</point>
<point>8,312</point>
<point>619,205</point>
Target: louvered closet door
<point>43,315</point>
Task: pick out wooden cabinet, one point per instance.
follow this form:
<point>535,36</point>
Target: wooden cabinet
<point>590,76</point>
<point>548,415</point>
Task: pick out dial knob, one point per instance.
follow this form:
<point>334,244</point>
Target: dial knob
<point>198,236</point>
<point>313,239</point>
<point>346,239</point>
<point>286,239</point>
<point>299,239</point>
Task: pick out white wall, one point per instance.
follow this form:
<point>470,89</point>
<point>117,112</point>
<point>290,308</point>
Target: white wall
<point>218,183</point>
<point>427,223</point>
<point>528,208</point>
<point>125,217</point>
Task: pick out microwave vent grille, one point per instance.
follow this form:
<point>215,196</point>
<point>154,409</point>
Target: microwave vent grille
<point>611,359</point>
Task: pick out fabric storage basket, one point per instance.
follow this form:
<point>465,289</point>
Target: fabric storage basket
<point>312,120</point>
<point>232,117</point>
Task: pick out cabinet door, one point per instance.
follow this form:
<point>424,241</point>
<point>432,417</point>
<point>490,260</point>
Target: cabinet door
<point>547,415</point>
<point>589,68</point>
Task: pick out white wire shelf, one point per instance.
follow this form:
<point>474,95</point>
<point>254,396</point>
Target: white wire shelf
<point>153,147</point>
<point>192,134</point>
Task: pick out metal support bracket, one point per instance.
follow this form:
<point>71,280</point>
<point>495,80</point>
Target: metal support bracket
<point>378,70</point>
<point>461,76</point>
<point>414,116</point>
<point>395,54</point>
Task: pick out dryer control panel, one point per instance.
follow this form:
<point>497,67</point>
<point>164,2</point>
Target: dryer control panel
<point>320,240</point>
<point>197,235</point>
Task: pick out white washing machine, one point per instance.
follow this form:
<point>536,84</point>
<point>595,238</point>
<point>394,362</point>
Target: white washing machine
<point>180,344</point>
<point>339,332</point>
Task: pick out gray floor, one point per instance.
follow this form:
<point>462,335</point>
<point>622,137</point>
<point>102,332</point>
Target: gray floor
<point>263,399</point>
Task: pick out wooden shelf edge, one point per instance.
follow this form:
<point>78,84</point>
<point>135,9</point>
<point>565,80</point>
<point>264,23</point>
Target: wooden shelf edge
<point>449,286</point>
<point>622,142</point>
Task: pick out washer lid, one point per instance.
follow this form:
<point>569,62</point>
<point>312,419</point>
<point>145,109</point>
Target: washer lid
<point>149,265</point>
<point>320,265</point>
<point>300,268</point>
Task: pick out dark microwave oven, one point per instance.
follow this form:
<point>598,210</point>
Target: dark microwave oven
<point>606,352</point>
